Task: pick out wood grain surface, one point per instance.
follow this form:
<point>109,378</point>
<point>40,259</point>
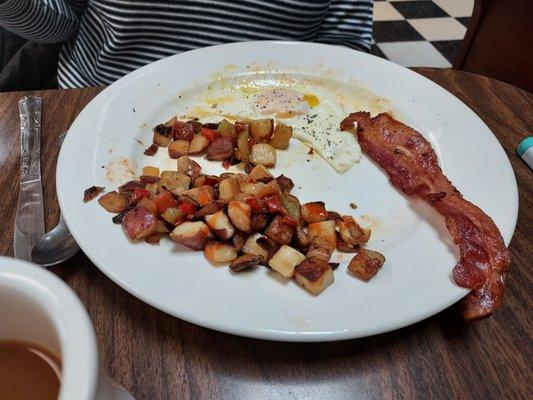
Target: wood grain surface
<point>156,356</point>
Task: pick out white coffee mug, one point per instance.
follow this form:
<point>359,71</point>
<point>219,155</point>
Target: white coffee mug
<point>38,307</point>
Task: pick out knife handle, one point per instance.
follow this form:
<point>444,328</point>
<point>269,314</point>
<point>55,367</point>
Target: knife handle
<point>30,138</point>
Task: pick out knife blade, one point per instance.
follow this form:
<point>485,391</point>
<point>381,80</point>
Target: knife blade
<point>29,222</point>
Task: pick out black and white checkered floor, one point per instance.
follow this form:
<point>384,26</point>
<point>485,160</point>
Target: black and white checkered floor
<point>420,33</point>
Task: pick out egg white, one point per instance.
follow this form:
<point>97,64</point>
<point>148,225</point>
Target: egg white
<point>313,107</point>
<point>316,125</point>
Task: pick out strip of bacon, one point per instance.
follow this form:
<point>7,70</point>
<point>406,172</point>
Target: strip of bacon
<point>412,166</point>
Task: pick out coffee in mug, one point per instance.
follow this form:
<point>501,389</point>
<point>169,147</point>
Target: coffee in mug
<point>28,371</point>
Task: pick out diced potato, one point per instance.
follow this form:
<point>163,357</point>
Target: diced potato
<point>208,209</point>
<point>182,164</point>
<point>139,223</point>
<point>174,182</point>
<point>206,195</point>
<point>279,232</point>
<point>301,236</point>
<point>263,154</point>
<point>270,187</point>
<point>217,252</point>
<point>145,179</point>
<point>324,229</point>
<point>261,129</point>
<point>227,129</point>
<point>345,247</point>
<point>154,238</point>
<point>292,205</point>
<point>173,215</point>
<point>366,264</point>
<point>285,260</point>
<point>314,212</point>
<point>246,184</point>
<point>282,135</point>
<point>198,144</point>
<point>252,247</point>
<point>151,150</point>
<point>320,248</point>
<point>220,225</point>
<point>150,171</point>
<point>244,262</point>
<point>238,240</point>
<point>237,176</point>
<point>242,177</point>
<point>193,235</point>
<point>242,197</point>
<point>161,227</point>
<point>152,188</point>
<point>220,149</point>
<point>335,216</point>
<point>178,148</point>
<point>351,232</point>
<point>228,188</point>
<point>285,184</point>
<point>314,275</point>
<point>149,204</point>
<point>163,135</point>
<point>183,130</point>
<point>206,180</point>
<point>260,174</point>
<point>269,245</point>
<point>126,189</point>
<point>203,195</point>
<point>257,189</point>
<point>113,202</point>
<point>188,167</point>
<point>258,222</point>
<point>242,144</point>
<point>239,214</point>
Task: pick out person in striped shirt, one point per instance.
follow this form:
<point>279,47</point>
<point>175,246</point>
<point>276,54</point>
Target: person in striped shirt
<point>106,39</point>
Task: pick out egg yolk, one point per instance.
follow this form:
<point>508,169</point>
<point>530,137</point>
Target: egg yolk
<point>311,99</point>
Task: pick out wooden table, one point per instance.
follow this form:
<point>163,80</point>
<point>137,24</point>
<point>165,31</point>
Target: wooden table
<point>156,356</point>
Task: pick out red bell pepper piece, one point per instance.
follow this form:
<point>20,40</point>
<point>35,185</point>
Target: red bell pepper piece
<point>254,204</point>
<point>209,134</point>
<point>289,221</point>
<point>239,127</point>
<point>139,194</point>
<point>273,203</point>
<point>164,200</point>
<point>187,208</point>
<point>209,181</point>
<point>251,142</point>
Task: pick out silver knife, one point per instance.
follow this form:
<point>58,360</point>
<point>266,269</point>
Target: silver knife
<point>29,223</point>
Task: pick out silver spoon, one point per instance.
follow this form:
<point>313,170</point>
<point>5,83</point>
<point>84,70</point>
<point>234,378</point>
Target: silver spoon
<point>57,245</point>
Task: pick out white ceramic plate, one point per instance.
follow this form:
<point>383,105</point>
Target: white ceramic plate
<point>415,282</point>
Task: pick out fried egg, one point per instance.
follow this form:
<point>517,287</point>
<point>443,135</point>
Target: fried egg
<point>315,119</point>
<point>313,107</point>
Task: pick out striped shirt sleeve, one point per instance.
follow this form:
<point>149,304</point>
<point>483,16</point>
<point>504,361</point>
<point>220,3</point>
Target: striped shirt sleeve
<point>42,21</point>
<point>349,23</point>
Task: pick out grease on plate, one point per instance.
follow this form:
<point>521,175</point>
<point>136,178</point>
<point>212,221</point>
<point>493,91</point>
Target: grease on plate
<point>120,170</point>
